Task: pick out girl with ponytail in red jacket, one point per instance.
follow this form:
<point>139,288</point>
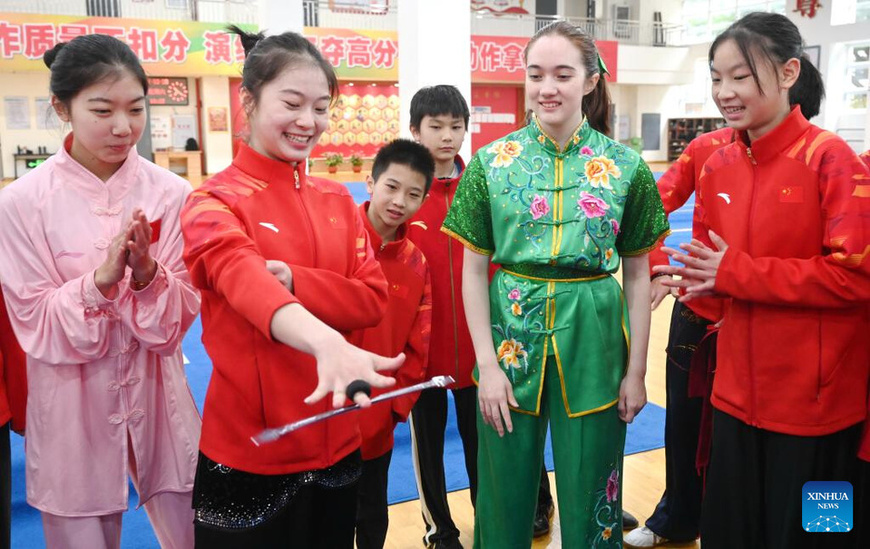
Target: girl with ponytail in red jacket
<point>787,210</point>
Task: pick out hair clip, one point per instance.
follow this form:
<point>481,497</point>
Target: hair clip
<point>602,67</point>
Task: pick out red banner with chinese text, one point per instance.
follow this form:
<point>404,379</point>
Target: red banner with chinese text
<point>189,48</point>
<point>499,59</point>
<point>166,48</point>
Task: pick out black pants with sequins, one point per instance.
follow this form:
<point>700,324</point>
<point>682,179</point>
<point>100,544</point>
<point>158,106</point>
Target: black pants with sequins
<point>309,510</point>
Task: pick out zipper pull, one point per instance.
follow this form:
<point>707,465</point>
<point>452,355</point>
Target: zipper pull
<point>751,158</point>
<point>296,178</point>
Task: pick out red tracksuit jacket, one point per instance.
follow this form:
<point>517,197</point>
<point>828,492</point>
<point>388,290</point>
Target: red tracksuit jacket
<point>250,212</point>
<point>794,210</point>
<point>864,452</point>
<point>404,328</point>
<point>13,374</point>
<point>675,188</point>
<point>451,352</point>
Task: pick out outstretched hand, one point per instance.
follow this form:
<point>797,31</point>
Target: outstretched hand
<point>701,264</point>
<point>339,365</point>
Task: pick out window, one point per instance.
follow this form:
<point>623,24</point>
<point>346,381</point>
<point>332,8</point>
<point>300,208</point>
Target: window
<point>103,8</point>
<point>848,12</point>
<point>704,19</point>
<point>857,85</point>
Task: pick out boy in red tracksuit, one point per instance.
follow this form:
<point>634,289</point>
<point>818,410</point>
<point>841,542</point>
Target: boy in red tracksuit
<point>439,121</point>
<point>401,176</point>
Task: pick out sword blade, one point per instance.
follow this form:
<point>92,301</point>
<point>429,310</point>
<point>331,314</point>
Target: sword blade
<point>271,435</point>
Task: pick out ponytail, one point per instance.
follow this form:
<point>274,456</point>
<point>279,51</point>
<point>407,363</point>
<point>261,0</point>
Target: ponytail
<point>596,107</point>
<point>249,39</point>
<point>809,90</point>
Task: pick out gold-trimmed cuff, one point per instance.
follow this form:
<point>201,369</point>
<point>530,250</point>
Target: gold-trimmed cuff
<point>465,242</point>
<point>648,249</point>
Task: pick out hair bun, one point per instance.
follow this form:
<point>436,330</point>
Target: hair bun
<point>249,39</point>
<point>49,56</point>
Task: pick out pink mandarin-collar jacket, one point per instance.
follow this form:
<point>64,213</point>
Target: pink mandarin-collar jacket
<point>99,370</point>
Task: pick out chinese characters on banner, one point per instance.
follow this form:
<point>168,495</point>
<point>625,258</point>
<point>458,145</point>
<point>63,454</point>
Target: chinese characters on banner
<point>191,48</point>
<point>167,48</point>
<point>500,58</point>
<point>358,54</point>
<point>188,48</point>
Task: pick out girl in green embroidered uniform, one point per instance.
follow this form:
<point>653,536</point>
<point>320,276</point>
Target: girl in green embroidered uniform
<point>557,204</point>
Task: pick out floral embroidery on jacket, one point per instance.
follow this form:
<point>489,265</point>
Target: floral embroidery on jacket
<point>539,207</point>
<point>510,352</point>
<point>599,170</point>
<point>505,152</point>
<point>591,205</point>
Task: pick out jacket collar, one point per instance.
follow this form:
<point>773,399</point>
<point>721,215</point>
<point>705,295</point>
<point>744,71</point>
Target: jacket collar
<point>581,133</point>
<point>268,169</point>
<point>390,249</point>
<point>116,186</point>
<point>440,186</point>
<point>779,138</point>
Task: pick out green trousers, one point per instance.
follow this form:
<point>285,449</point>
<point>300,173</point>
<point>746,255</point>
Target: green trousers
<point>587,451</point>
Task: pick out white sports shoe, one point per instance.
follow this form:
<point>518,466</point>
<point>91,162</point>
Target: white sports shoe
<point>643,537</point>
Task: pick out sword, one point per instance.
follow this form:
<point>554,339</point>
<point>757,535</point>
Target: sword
<point>271,435</point>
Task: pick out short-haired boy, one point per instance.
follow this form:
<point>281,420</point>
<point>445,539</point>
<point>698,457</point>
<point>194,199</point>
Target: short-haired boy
<point>401,176</point>
<point>439,120</point>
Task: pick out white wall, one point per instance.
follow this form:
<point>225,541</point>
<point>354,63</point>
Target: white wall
<point>634,101</point>
<point>217,146</point>
<point>651,65</point>
<point>833,41</point>
<point>31,86</point>
<point>421,26</point>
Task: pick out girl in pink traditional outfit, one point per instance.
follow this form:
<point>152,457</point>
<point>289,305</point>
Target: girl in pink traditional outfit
<point>99,298</point>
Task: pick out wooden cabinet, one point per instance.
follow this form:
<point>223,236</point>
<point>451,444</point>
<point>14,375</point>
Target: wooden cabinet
<point>681,131</point>
<point>191,159</point>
